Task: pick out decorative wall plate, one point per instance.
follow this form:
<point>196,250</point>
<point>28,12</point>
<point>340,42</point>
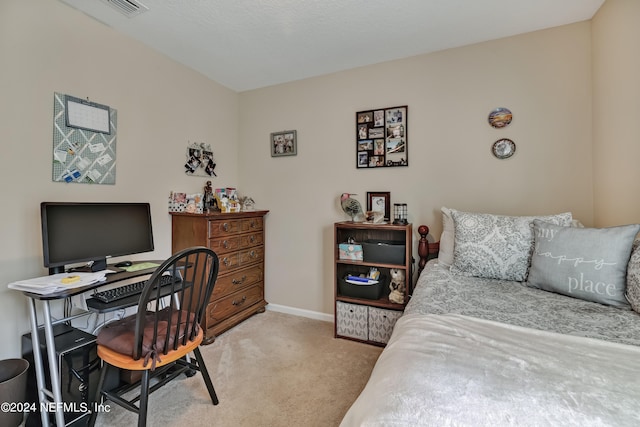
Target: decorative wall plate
<point>500,117</point>
<point>503,148</point>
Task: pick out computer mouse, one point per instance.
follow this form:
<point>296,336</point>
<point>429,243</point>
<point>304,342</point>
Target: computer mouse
<point>123,264</point>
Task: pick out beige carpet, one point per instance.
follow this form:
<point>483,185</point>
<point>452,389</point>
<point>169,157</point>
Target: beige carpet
<point>273,369</point>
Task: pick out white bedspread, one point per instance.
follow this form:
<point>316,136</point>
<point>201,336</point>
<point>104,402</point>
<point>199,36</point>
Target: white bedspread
<point>453,370</point>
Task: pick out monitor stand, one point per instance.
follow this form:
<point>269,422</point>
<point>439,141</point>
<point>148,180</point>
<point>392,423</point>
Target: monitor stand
<point>56,270</point>
<point>99,265</point>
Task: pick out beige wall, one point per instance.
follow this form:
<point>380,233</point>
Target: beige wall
<point>616,112</point>
<point>543,77</point>
<point>47,47</point>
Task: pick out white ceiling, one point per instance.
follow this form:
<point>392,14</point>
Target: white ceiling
<point>248,44</point>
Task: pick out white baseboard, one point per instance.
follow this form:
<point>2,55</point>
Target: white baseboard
<point>300,312</point>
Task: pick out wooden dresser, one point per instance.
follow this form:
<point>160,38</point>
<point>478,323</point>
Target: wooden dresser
<point>238,240</point>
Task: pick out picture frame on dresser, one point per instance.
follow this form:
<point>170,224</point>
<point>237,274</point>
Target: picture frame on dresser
<point>379,201</point>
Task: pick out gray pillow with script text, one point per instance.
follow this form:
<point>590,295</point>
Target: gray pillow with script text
<point>585,263</point>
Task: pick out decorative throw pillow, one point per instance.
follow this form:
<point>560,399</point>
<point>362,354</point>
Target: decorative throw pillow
<point>496,246</point>
<point>585,263</point>
<point>445,253</point>
<point>633,278</point>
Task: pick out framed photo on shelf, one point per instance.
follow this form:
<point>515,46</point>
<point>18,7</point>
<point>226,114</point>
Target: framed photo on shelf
<point>284,143</point>
<point>379,202</point>
<point>381,137</point>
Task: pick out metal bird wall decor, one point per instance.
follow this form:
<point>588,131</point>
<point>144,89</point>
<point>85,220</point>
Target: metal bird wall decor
<point>351,206</point>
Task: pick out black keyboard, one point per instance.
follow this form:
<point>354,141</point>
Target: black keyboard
<point>131,289</point>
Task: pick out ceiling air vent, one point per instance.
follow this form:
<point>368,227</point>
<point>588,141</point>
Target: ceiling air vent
<point>128,8</point>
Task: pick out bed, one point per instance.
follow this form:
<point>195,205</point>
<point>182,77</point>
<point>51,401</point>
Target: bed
<point>518,321</point>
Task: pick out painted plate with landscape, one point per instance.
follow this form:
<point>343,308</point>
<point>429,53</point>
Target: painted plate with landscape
<point>500,117</point>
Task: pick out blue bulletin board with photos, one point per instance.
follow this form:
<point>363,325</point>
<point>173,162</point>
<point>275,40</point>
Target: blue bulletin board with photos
<point>381,137</point>
<point>84,141</point>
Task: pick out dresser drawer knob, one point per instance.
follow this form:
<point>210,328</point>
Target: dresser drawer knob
<point>244,298</point>
<point>253,224</point>
<point>252,239</point>
<point>252,254</point>
<point>225,244</point>
<point>225,226</point>
<point>239,282</point>
<point>226,261</point>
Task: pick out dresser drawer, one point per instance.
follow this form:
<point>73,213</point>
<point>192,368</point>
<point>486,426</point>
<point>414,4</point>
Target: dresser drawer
<point>252,255</point>
<point>234,303</point>
<point>218,228</point>
<point>237,280</point>
<point>229,262</point>
<point>252,239</point>
<point>223,227</point>
<point>251,224</point>
<point>221,245</point>
<point>232,261</point>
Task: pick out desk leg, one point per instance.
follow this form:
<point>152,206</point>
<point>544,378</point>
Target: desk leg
<point>37,358</point>
<point>53,365</point>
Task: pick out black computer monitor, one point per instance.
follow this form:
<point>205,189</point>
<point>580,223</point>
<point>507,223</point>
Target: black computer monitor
<point>84,232</point>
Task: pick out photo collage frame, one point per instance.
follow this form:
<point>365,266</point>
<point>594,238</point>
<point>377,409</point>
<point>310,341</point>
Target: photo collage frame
<point>381,137</point>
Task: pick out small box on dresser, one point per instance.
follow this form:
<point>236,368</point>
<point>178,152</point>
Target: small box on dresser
<point>238,240</point>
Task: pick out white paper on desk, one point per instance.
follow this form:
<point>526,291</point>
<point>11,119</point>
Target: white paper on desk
<point>49,284</point>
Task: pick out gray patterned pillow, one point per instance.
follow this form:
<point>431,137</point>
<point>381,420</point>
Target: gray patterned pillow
<point>585,263</point>
<point>496,246</point>
<point>633,278</point>
<point>445,254</point>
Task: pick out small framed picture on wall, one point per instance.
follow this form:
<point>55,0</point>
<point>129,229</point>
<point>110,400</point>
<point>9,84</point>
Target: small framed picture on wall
<point>284,143</point>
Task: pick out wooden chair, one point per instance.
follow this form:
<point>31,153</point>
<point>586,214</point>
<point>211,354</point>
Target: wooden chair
<point>157,340</point>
